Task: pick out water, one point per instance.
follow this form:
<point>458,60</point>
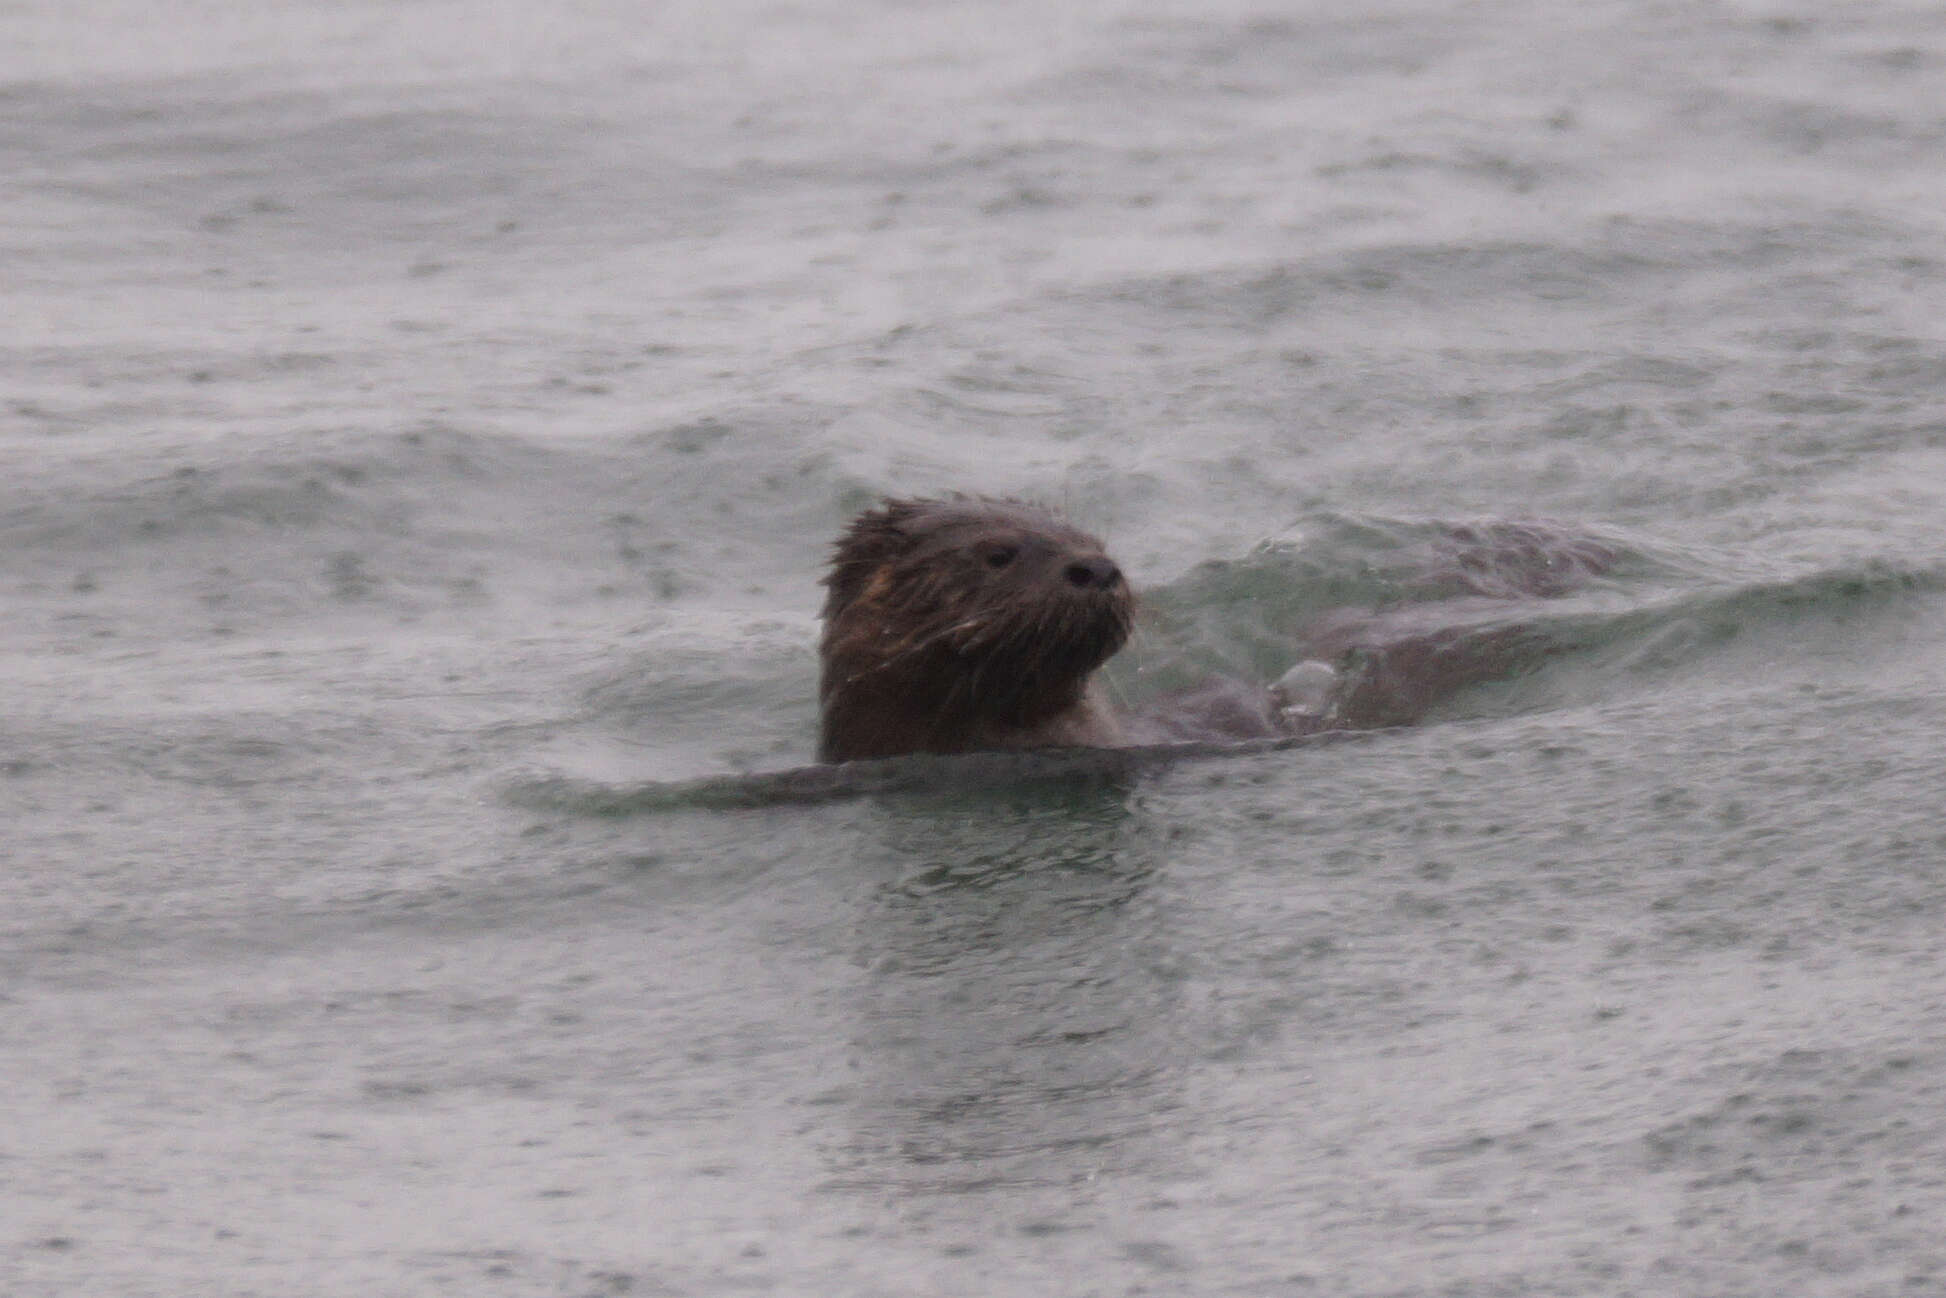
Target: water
<point>423,427</point>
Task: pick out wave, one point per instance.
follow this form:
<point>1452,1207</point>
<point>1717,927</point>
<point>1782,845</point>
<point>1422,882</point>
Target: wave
<point>1572,589</point>
<point>973,774</point>
<point>1604,616</point>
<point>434,515</point>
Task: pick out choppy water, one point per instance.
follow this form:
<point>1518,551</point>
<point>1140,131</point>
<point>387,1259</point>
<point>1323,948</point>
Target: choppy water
<point>422,428</point>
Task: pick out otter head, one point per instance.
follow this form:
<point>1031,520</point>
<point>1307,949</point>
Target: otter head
<point>963,623</point>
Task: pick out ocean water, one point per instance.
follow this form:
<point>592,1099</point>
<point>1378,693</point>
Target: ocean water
<point>422,428</point>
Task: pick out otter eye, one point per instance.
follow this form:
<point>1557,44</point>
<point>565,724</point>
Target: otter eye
<point>994,554</point>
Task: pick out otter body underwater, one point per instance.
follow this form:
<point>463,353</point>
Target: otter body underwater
<point>960,624</point>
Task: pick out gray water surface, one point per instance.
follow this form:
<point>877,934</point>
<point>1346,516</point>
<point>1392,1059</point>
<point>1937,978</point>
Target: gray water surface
<point>422,429</point>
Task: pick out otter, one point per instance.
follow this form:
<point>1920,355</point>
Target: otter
<point>964,623</point>
<point>953,624</point>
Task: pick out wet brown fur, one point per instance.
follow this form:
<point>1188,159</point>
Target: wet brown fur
<point>964,623</point>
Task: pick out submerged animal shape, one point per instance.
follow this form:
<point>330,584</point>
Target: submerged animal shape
<point>962,623</point>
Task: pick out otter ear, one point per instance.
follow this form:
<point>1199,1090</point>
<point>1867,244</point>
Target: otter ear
<point>874,538</point>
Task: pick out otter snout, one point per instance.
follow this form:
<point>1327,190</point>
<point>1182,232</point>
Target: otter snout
<point>1096,572</point>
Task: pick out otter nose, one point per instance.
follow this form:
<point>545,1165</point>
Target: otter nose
<point>1095,573</point>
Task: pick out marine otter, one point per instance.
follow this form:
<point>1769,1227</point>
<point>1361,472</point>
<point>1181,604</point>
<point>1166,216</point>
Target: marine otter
<point>966,623</point>
<point>961,623</point>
